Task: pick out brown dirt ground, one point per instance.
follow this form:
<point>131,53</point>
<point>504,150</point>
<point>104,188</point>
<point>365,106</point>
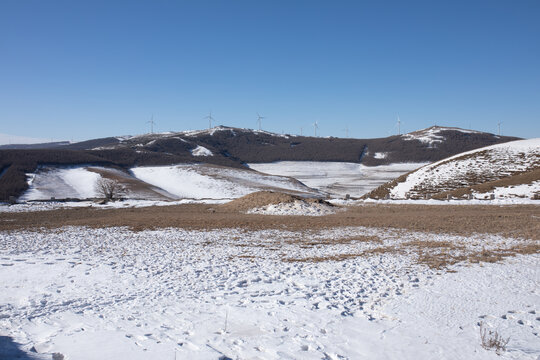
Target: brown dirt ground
<point>512,221</point>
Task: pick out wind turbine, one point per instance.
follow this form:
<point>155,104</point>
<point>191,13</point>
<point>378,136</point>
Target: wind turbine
<point>259,118</point>
<point>315,127</point>
<point>499,126</point>
<point>398,125</point>
<point>152,123</point>
<point>210,119</point>
<point>346,131</point>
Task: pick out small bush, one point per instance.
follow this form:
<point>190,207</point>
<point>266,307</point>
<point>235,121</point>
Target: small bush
<point>492,340</point>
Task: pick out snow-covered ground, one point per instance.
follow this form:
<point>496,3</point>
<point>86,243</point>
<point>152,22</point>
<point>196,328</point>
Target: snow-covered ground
<point>205,181</point>
<point>61,182</point>
<point>158,182</point>
<point>472,167</point>
<point>432,135</point>
<point>297,207</point>
<point>337,178</point>
<point>272,294</point>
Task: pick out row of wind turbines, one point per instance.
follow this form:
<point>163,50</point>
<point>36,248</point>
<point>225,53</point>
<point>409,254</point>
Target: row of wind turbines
<point>315,125</point>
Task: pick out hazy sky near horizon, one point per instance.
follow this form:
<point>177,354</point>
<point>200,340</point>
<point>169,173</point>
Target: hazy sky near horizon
<point>86,69</point>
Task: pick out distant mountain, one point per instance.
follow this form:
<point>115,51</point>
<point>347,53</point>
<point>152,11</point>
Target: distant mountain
<point>510,169</point>
<point>233,147</point>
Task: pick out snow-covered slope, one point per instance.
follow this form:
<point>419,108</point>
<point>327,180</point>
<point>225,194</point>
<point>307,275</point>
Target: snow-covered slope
<point>434,134</point>
<point>60,183</point>
<point>481,166</point>
<point>206,181</point>
<point>158,182</point>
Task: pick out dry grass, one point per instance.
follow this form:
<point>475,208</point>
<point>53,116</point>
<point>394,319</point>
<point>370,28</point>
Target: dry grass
<point>342,257</point>
<point>455,254</point>
<point>492,340</point>
<point>307,243</point>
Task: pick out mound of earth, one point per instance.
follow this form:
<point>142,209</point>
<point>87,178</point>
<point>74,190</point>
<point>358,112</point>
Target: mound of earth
<point>275,203</point>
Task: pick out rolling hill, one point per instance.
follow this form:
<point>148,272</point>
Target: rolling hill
<point>234,148</point>
<point>511,169</point>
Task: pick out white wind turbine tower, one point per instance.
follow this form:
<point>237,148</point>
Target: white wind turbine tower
<point>398,125</point>
<point>315,127</point>
<point>152,123</point>
<point>499,126</point>
<point>259,118</point>
<point>210,119</point>
<point>346,131</point>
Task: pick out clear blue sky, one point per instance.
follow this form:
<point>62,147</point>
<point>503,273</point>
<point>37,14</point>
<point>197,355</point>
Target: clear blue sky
<point>85,69</point>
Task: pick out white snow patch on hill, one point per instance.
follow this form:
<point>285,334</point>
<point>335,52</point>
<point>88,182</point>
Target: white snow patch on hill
<point>205,181</point>
<point>297,207</point>
<point>432,135</point>
<point>522,190</point>
<point>201,151</point>
<point>61,182</point>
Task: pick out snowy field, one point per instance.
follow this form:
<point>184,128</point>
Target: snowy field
<point>346,293</point>
<point>337,178</point>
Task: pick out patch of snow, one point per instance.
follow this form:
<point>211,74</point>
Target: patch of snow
<point>210,132</point>
<point>61,182</point>
<point>427,136</point>
<point>478,200</point>
<point>432,135</point>
<point>297,207</point>
<point>513,191</point>
<point>380,155</point>
<point>201,151</point>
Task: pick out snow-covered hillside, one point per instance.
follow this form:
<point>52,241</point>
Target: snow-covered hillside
<point>487,165</point>
<point>206,181</point>
<point>61,183</point>
<point>158,182</point>
<point>434,134</point>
